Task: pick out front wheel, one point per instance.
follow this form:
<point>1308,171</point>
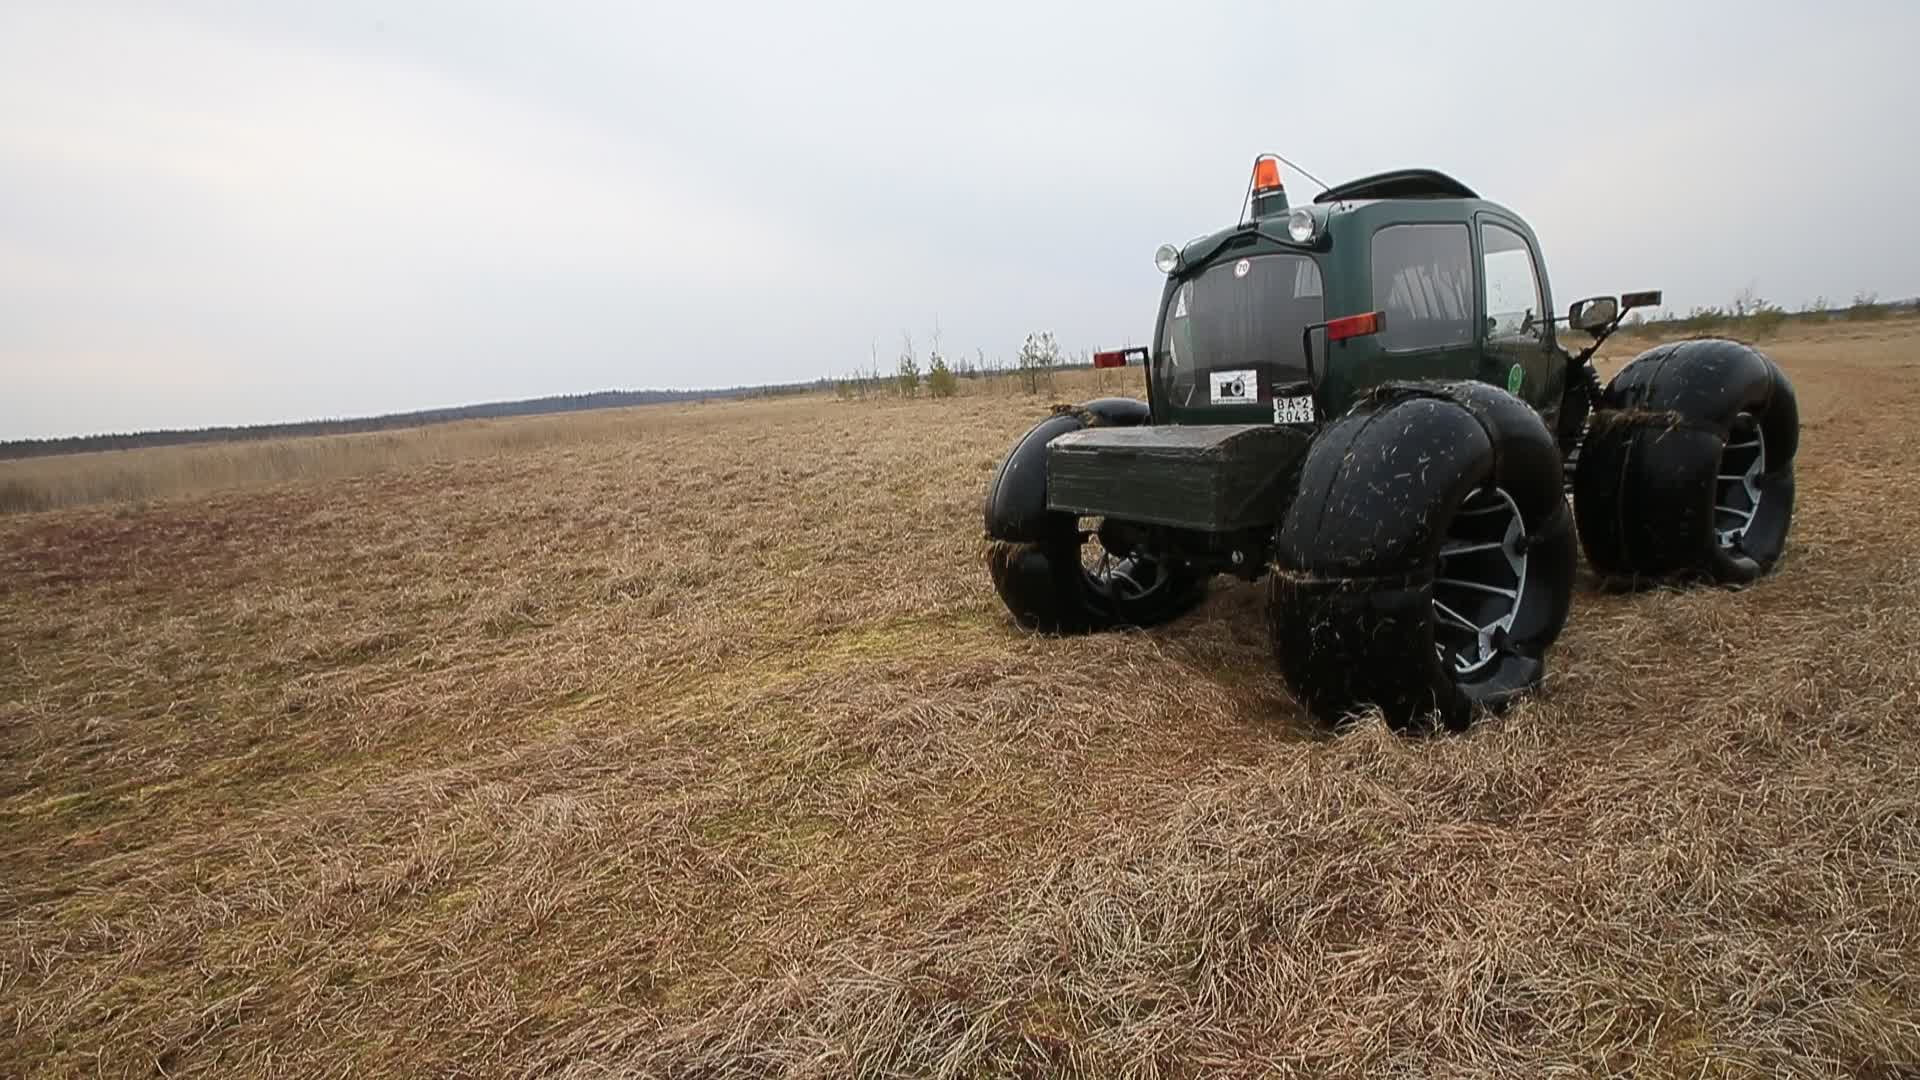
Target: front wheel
<point>1687,469</point>
<point>1075,583</point>
<point>1427,562</point>
<point>1063,575</point>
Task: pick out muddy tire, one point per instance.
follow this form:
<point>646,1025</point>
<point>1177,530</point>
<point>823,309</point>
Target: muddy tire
<point>1056,576</point>
<point>1687,468</point>
<point>1427,561</point>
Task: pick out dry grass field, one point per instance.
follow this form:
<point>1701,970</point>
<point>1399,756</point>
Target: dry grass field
<point>692,741</point>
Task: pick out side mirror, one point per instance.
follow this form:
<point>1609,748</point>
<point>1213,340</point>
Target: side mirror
<point>1593,313</point>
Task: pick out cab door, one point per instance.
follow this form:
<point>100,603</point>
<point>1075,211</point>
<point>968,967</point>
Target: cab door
<point>1518,352</point>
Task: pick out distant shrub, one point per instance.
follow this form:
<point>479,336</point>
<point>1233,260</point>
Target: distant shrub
<point>1766,320</point>
<point>941,381</point>
<point>1866,306</point>
<point>907,375</point>
<point>1039,355</point>
<point>1702,320</point>
<point>1755,316</point>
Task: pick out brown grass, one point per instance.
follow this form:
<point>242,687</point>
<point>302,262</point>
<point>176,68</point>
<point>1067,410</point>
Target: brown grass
<point>694,743</point>
<point>139,476</point>
<point>142,476</point>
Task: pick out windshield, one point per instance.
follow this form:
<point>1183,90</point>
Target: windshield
<point>1234,330</point>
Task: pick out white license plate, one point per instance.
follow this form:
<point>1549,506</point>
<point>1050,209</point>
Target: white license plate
<point>1293,410</point>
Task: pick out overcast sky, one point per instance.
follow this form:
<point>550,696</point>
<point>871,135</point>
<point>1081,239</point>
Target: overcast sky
<point>253,211</point>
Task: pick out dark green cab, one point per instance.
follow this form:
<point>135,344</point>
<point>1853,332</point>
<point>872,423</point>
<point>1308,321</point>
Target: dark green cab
<point>1459,282</point>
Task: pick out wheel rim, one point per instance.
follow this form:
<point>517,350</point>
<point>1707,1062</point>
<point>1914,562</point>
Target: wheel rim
<point>1124,577</point>
<point>1481,580</point>
<point>1737,491</point>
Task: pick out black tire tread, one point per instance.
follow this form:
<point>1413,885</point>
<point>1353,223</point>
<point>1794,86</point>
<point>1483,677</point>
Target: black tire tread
<point>1351,595</point>
<point>1646,484</point>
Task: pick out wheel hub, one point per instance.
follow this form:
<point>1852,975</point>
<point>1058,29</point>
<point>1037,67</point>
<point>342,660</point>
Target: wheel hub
<point>1481,578</point>
<point>1126,576</point>
<point>1737,489</point>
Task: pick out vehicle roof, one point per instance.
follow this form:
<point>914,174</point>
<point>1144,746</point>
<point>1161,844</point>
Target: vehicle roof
<point>1398,184</point>
<point>1422,186</point>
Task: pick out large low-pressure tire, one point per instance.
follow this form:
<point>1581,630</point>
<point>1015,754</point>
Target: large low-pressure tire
<point>1057,575</point>
<point>1427,561</point>
<point>1687,468</point>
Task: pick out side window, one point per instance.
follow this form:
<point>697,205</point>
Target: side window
<point>1422,279</point>
<point>1512,284</point>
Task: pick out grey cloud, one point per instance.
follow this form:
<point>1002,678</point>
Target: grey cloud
<point>215,213</point>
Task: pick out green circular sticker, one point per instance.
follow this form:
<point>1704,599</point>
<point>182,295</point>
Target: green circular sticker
<point>1514,378</point>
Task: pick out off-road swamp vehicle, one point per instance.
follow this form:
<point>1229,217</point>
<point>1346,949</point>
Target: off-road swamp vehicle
<point>1364,400</point>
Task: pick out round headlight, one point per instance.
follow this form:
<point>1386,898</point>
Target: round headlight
<point>1300,226</point>
<point>1167,259</point>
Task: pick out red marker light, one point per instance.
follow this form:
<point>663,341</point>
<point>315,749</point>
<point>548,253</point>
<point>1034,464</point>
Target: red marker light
<point>1266,175</point>
<point>1110,359</point>
<point>1355,326</point>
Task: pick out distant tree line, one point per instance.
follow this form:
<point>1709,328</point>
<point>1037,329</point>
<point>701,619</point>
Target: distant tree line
<point>1754,316</point>
<point>1030,370</point>
<point>559,403</point>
